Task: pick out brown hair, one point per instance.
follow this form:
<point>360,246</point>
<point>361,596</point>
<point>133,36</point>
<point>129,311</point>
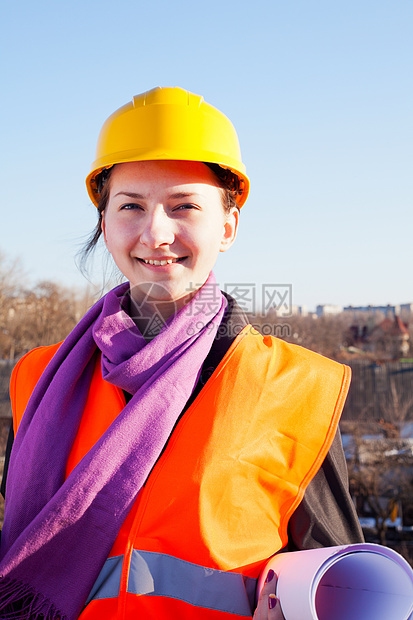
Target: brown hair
<point>103,185</point>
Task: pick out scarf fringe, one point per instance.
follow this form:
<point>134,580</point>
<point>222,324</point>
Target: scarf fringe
<point>18,601</point>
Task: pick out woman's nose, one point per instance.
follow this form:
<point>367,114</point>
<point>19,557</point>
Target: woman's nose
<point>157,229</point>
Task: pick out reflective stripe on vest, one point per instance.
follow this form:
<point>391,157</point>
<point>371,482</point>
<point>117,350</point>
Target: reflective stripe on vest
<point>158,574</point>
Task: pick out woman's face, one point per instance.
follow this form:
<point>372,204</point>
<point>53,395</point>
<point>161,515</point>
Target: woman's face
<point>164,225</point>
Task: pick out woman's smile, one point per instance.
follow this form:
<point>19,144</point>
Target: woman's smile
<point>161,262</point>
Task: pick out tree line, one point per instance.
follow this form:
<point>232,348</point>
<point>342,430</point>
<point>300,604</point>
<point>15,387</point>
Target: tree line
<point>35,315</point>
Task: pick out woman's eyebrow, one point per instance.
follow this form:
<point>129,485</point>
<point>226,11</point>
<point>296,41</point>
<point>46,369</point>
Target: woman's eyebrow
<point>131,195</point>
<point>183,195</point>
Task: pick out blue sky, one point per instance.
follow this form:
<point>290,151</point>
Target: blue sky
<point>319,91</point>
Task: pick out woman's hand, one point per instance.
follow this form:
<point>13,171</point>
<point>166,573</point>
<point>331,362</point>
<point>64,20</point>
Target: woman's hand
<point>269,607</point>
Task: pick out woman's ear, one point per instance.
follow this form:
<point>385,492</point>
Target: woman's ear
<point>230,230</point>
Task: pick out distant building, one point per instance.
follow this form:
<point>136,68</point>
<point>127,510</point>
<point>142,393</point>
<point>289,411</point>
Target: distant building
<point>388,310</point>
<point>406,311</point>
<point>328,310</point>
<point>389,340</point>
<point>299,310</point>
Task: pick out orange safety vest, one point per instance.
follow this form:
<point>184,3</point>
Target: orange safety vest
<point>217,503</point>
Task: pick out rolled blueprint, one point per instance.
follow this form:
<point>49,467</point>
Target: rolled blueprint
<point>352,582</point>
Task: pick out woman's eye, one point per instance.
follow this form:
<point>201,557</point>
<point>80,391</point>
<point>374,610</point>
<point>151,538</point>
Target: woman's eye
<point>129,206</point>
<point>185,207</point>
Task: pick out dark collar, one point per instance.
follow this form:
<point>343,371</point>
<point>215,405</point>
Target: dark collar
<point>232,324</point>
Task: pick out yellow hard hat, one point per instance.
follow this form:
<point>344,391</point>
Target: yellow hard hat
<point>165,124</point>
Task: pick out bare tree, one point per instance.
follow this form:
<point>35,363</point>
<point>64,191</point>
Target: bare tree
<point>396,407</point>
<point>34,316</point>
<point>323,335</point>
<point>381,477</point>
<point>41,316</point>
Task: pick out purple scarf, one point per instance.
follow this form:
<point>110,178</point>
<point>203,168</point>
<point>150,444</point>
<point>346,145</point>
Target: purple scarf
<point>58,533</point>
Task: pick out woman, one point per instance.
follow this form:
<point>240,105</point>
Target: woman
<point>167,450</point>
